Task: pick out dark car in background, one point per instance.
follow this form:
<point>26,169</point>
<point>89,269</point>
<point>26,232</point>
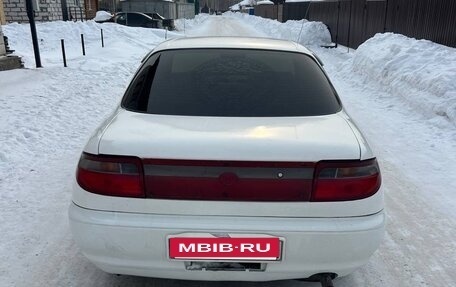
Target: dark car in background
<point>165,22</point>
<point>137,19</point>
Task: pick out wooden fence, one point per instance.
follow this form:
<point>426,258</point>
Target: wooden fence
<point>351,22</point>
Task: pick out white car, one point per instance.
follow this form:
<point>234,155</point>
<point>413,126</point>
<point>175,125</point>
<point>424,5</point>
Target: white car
<point>228,159</point>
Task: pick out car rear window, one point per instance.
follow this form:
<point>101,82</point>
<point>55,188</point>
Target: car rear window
<point>231,83</point>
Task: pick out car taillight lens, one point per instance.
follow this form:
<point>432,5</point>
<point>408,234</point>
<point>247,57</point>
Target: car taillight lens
<point>346,180</point>
<point>324,181</point>
<point>111,175</point>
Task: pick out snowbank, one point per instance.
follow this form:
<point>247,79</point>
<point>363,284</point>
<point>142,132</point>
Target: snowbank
<point>422,72</point>
<point>313,33</point>
<point>50,33</point>
<point>188,24</point>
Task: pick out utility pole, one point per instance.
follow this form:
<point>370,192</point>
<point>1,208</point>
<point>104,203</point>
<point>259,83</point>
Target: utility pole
<point>31,16</point>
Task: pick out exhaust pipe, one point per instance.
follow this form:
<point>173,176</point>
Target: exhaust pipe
<point>324,278</point>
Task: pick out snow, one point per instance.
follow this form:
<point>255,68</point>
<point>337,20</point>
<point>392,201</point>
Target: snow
<point>399,90</point>
<point>102,16</point>
<point>246,3</point>
<point>205,25</point>
<point>242,4</point>
<point>265,2</point>
<point>308,33</point>
<point>184,24</point>
<point>122,38</point>
<point>297,1</point>
<point>422,72</point>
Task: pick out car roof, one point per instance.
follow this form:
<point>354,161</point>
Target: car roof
<point>232,43</point>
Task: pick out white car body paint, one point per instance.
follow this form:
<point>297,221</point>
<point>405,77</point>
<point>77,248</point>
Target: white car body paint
<point>128,235</point>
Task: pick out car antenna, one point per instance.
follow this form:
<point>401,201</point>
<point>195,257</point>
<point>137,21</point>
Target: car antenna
<point>303,20</point>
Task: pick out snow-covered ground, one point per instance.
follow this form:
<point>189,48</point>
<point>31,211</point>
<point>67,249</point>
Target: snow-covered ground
<point>400,91</point>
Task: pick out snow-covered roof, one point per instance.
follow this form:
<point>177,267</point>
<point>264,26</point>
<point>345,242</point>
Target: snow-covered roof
<point>265,2</point>
<point>242,4</point>
<point>295,1</point>
<point>246,3</point>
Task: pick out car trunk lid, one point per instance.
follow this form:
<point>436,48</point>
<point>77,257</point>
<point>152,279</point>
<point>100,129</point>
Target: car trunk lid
<point>278,139</point>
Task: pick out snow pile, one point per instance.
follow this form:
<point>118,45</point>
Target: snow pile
<point>265,2</point>
<point>49,35</point>
<point>102,16</point>
<point>420,71</point>
<point>313,33</point>
<point>188,24</point>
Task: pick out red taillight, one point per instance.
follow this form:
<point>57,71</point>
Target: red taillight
<point>111,175</point>
<point>224,180</point>
<point>345,180</point>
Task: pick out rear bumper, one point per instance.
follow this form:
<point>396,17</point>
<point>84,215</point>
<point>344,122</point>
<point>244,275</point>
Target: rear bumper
<point>135,244</point>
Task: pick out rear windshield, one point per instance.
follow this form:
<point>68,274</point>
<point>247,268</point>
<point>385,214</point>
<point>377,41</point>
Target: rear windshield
<point>231,83</point>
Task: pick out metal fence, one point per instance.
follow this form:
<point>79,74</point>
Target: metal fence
<point>76,13</point>
<point>351,22</point>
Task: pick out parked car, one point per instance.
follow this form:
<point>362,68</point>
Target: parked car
<point>169,23</point>
<point>136,19</point>
<point>232,155</point>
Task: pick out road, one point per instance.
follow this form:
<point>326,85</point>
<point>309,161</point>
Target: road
<point>224,26</point>
<point>37,249</point>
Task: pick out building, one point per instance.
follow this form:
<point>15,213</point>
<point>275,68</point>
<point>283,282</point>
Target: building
<point>50,10</point>
<point>218,5</point>
<point>170,9</point>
